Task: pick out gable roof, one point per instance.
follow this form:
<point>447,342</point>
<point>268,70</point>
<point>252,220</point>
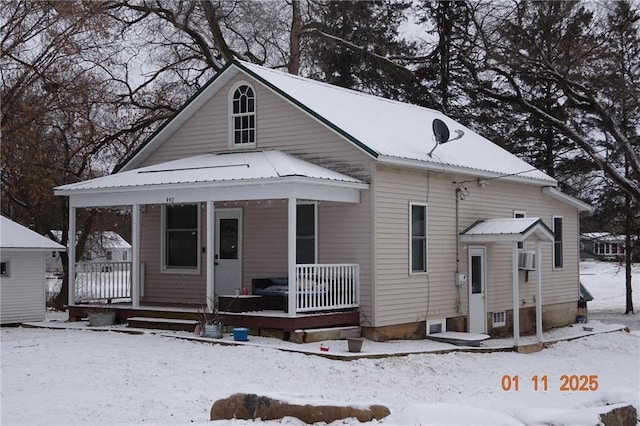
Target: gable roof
<point>18,237</point>
<point>387,130</point>
<point>507,230</point>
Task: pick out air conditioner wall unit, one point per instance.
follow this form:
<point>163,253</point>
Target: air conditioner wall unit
<point>527,260</point>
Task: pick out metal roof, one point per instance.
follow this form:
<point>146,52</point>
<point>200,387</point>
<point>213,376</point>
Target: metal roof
<point>507,230</point>
<point>209,168</point>
<point>254,175</point>
<point>14,236</point>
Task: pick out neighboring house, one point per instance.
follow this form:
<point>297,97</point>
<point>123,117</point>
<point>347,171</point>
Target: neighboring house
<point>603,246</point>
<point>340,204</point>
<point>22,272</point>
<point>101,246</point>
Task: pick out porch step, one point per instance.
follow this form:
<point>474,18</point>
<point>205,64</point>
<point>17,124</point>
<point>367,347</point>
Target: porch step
<point>329,333</point>
<point>459,338</point>
<point>162,323</point>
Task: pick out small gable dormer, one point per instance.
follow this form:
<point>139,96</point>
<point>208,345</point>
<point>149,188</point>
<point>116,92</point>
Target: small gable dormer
<point>242,116</point>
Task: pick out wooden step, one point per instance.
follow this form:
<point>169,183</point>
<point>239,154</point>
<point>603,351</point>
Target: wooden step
<point>162,323</point>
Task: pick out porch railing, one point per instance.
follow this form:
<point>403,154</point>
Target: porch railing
<point>103,281</point>
<point>327,286</point>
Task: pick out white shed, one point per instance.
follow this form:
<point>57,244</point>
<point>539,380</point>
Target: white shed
<point>22,272</point>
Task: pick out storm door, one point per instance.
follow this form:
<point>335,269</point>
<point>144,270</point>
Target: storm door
<point>228,253</point>
<point>477,290</point>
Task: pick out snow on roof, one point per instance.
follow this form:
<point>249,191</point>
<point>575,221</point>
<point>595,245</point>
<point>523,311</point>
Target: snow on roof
<point>390,131</point>
<point>209,168</point>
<point>509,229</point>
<point>15,236</point>
<point>394,129</point>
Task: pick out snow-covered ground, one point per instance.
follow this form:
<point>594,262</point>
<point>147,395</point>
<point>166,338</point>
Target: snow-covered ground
<point>85,377</point>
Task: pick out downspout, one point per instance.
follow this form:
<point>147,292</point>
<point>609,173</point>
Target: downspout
<point>458,276</point>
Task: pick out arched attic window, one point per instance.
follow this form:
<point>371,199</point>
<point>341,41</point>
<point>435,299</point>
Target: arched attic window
<point>242,108</point>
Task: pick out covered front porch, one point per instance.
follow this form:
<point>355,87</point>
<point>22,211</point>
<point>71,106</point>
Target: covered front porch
<point>254,252</point>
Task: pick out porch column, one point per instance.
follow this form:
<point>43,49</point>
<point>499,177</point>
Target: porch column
<point>291,255</point>
<point>538,292</point>
<point>71,253</point>
<point>210,251</point>
<point>516,295</point>
<point>135,256</point>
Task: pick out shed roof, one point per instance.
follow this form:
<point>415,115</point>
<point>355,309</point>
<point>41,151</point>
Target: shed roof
<point>210,168</point>
<point>250,175</point>
<point>18,237</point>
<point>507,230</point>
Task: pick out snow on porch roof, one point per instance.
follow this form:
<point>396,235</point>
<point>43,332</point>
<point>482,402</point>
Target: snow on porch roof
<point>507,230</point>
<point>18,237</point>
<point>195,178</point>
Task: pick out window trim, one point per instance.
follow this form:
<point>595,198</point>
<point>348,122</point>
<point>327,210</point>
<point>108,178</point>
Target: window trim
<point>163,241</point>
<point>315,228</point>
<point>442,322</point>
<point>553,253</point>
<point>499,314</point>
<point>232,144</point>
<point>516,215</point>
<point>426,238</point>
<point>7,263</point>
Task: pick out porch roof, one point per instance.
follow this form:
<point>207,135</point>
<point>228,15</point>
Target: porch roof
<point>251,175</point>
<point>507,230</point>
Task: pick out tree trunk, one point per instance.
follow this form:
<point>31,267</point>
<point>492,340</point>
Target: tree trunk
<point>294,38</point>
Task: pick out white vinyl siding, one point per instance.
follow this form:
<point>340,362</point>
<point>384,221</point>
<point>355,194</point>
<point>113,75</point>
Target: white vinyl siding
<point>403,298</point>
<point>22,294</point>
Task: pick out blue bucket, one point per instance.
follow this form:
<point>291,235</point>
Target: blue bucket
<point>241,334</point>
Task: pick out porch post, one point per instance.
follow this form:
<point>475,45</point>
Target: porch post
<point>538,292</point>
<point>291,257</point>
<point>135,256</point>
<point>516,295</point>
<point>210,252</point>
<point>71,253</point>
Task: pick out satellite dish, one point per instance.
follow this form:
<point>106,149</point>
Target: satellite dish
<point>440,131</point>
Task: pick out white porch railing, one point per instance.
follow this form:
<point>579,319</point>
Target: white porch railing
<point>327,286</point>
<point>102,281</point>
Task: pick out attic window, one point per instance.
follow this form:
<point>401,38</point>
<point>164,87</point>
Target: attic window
<point>243,117</point>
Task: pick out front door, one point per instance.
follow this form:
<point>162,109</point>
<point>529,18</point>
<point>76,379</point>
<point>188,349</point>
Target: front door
<point>477,288</point>
<point>228,253</point>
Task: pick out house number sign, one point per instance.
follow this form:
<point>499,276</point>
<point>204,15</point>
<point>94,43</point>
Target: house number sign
<point>170,200</point>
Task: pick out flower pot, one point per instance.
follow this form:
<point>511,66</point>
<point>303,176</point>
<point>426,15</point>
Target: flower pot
<point>213,331</point>
<point>102,319</point>
<point>354,344</point>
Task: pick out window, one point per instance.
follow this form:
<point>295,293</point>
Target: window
<point>243,117</point>
<point>517,214</point>
<point>499,319</point>
<point>124,255</point>
<point>5,269</point>
<point>109,255</point>
<point>558,255</point>
<point>306,234</point>
<point>418,237</point>
<point>181,238</point>
<point>436,326</point>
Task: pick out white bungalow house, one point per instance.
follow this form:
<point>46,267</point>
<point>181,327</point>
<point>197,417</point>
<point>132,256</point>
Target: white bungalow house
<point>334,207</point>
<point>22,272</point>
<point>101,247</point>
